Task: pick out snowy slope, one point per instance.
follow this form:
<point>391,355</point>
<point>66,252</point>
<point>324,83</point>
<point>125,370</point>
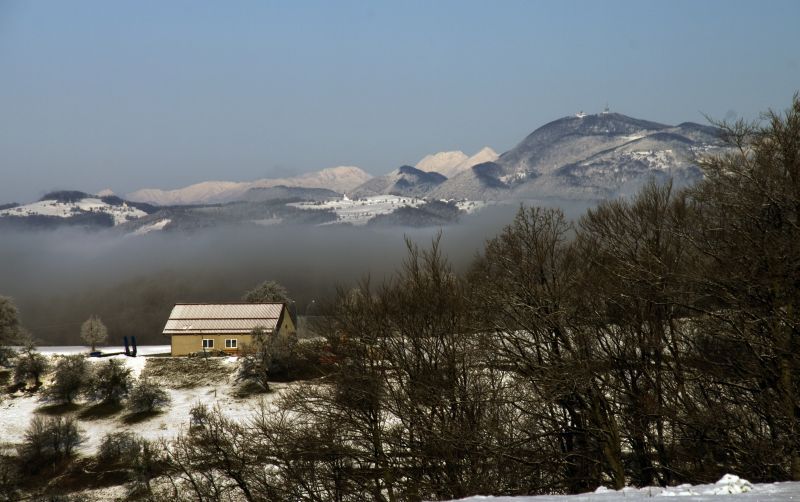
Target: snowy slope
<point>16,411</point>
<point>406,181</point>
<point>54,208</point>
<point>360,211</point>
<point>587,157</point>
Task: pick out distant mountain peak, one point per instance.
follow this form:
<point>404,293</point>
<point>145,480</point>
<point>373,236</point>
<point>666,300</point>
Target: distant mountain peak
<point>451,163</point>
<point>441,161</point>
<point>405,180</point>
<point>406,169</point>
<point>338,179</point>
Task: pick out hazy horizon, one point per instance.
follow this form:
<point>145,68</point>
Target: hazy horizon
<point>150,94</point>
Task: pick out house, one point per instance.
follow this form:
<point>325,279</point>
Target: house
<point>194,327</point>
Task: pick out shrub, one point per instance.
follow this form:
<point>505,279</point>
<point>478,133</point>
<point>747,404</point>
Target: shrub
<point>268,357</point>
<point>94,332</point>
<point>70,378</point>
<point>142,458</point>
<point>147,396</point>
<point>119,448</point>
<point>30,365</point>
<point>49,439</point>
<point>110,382</point>
<point>9,478</point>
<point>146,466</point>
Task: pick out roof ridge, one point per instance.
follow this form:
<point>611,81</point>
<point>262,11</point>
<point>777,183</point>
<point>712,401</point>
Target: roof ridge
<point>232,303</point>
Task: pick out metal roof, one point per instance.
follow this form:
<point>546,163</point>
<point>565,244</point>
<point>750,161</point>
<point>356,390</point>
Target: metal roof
<point>222,318</point>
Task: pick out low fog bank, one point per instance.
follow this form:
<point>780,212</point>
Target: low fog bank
<point>58,279</point>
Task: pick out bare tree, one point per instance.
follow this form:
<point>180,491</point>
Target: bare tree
<point>635,298</point>
<point>30,365</point>
<point>9,328</point>
<point>269,355</point>
<point>527,285</point>
<point>267,292</point>
<point>94,332</point>
<point>750,276</point>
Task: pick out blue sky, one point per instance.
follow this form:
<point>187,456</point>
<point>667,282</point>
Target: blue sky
<point>127,95</point>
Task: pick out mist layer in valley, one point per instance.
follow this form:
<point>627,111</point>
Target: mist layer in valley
<point>59,278</point>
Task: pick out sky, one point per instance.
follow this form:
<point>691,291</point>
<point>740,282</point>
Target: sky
<point>142,94</point>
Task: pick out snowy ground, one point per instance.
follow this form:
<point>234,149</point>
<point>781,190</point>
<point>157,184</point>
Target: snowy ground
<point>17,410</point>
<point>360,211</point>
<point>121,213</point>
<point>470,206</point>
<point>730,487</point>
<point>153,227</point>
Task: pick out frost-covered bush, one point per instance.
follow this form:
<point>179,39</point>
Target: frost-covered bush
<point>94,332</point>
<point>142,458</point>
<point>9,478</point>
<point>110,382</point>
<point>118,447</point>
<point>70,378</point>
<point>49,439</point>
<point>147,396</point>
<point>268,356</point>
<point>30,365</point>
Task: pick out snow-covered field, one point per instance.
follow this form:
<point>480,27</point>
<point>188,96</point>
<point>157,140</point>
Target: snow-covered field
<point>360,211</point>
<point>471,206</point>
<point>142,350</point>
<point>17,410</point>
<point>727,487</point>
<point>153,227</point>
<point>121,213</point>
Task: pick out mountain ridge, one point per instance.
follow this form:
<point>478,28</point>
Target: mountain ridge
<point>339,179</point>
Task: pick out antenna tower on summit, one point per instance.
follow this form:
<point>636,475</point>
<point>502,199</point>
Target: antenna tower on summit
<point>606,111</point>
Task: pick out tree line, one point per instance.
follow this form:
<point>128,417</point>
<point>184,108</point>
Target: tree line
<point>653,342</point>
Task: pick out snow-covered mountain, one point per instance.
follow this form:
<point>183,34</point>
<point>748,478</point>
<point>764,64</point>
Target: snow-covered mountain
<point>587,157</point>
<point>405,181</point>
<point>72,207</point>
<point>451,163</point>
<point>583,157</point>
<point>338,179</point>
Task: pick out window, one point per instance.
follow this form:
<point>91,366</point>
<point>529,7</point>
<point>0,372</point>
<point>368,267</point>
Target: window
<point>208,344</point>
<point>230,344</point>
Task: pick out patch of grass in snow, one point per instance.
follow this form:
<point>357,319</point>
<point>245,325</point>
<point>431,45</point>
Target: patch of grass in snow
<point>187,372</point>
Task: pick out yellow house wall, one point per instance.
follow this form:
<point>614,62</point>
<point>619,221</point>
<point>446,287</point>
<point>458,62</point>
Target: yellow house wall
<point>287,326</point>
<point>187,344</point>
